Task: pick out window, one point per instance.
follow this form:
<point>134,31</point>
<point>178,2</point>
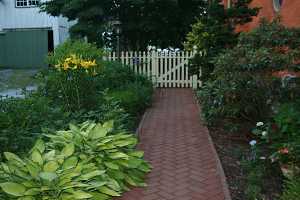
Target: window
<point>277,5</point>
<point>26,3</point>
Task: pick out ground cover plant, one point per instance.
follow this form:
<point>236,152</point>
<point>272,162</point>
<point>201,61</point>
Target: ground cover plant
<point>90,161</point>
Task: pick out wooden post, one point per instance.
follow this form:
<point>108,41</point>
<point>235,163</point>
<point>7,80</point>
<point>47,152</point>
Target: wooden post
<point>154,68</point>
<point>195,82</point>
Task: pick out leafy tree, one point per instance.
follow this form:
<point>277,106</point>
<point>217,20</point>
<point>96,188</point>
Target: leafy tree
<point>215,30</point>
<point>158,22</point>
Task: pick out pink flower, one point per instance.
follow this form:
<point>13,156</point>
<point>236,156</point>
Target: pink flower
<point>283,151</point>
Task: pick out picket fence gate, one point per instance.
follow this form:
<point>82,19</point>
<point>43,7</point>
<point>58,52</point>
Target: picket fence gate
<point>165,69</point>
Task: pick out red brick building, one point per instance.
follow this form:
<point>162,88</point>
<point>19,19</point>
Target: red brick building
<point>289,10</point>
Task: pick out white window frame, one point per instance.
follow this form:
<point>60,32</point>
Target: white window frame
<point>277,5</point>
<point>27,2</point>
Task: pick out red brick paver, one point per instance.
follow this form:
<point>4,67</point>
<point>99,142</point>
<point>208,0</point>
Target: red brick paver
<point>178,145</point>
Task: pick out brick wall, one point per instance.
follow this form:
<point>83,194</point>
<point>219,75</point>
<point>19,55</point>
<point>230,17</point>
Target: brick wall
<point>290,13</point>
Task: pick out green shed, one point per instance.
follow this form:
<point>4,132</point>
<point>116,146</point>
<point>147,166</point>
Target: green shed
<point>25,48</point>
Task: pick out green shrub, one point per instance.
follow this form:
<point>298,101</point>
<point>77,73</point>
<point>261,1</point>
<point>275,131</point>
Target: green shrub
<point>86,50</point>
<point>71,80</point>
<point>134,97</point>
<point>22,121</point>
<point>114,75</point>
<point>292,190</point>
<point>287,133</point>
<point>242,86</point>
<point>90,161</point>
<point>108,110</point>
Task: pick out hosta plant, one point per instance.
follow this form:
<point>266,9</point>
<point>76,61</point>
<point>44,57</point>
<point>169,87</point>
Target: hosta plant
<point>111,151</point>
<point>89,161</point>
<point>53,175</point>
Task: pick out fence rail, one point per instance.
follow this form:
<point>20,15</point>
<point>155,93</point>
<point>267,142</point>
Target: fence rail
<point>166,69</point>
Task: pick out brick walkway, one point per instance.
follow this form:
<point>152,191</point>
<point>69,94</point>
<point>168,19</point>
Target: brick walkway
<point>177,144</point>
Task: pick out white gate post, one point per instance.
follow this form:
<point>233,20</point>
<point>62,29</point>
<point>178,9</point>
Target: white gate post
<point>195,82</point>
<point>154,68</point>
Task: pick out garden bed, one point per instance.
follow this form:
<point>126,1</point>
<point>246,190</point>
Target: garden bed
<point>232,153</point>
<point>81,119</point>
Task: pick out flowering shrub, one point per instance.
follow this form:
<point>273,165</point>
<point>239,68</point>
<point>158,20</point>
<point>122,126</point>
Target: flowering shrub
<point>75,62</point>
<point>282,137</point>
<point>74,67</point>
<point>286,137</point>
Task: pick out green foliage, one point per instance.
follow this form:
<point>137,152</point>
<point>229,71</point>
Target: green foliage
<point>259,172</point>
<point>22,121</point>
<point>87,51</point>
<point>114,75</point>
<point>109,109</point>
<point>242,85</point>
<point>287,134</point>
<point>134,98</point>
<point>75,96</point>
<point>214,31</point>
<point>254,182</point>
<point>143,22</point>
<point>50,175</point>
<point>111,151</point>
<point>90,161</point>
<point>66,83</point>
<point>292,190</point>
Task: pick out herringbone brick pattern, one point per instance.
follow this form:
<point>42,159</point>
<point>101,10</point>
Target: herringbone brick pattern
<point>177,144</point>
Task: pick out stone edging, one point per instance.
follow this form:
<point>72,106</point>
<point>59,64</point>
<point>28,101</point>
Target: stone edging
<point>139,129</point>
<point>220,168</point>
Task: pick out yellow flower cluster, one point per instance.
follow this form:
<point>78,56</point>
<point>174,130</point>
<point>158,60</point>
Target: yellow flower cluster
<point>74,62</point>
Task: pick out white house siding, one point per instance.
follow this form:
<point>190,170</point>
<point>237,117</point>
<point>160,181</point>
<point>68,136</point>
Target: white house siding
<point>27,18</point>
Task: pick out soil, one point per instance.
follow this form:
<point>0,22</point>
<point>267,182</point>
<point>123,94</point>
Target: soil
<point>231,150</point>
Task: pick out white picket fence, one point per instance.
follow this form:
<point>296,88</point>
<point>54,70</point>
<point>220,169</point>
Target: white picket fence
<point>165,69</point>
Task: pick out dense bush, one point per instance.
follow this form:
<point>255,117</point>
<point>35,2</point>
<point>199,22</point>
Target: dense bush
<point>22,120</point>
<point>287,133</point>
<point>133,97</point>
<point>114,75</point>
<point>87,51</point>
<point>74,66</point>
<point>292,190</point>
<point>242,85</point>
<point>214,31</point>
<point>282,136</point>
<point>90,161</point>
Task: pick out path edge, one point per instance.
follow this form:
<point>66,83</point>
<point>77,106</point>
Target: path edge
<point>217,158</point>
<point>139,129</point>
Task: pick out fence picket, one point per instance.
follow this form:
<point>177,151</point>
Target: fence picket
<point>144,66</point>
<point>174,82</point>
<point>166,69</point>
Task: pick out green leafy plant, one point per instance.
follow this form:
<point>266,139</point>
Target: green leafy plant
<point>242,85</point>
<point>87,51</point>
<point>134,97</point>
<point>74,67</point>
<point>292,190</point>
<point>214,32</point>
<point>111,151</point>
<point>89,161</point>
<point>52,175</point>
<point>22,121</point>
<point>286,136</point>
